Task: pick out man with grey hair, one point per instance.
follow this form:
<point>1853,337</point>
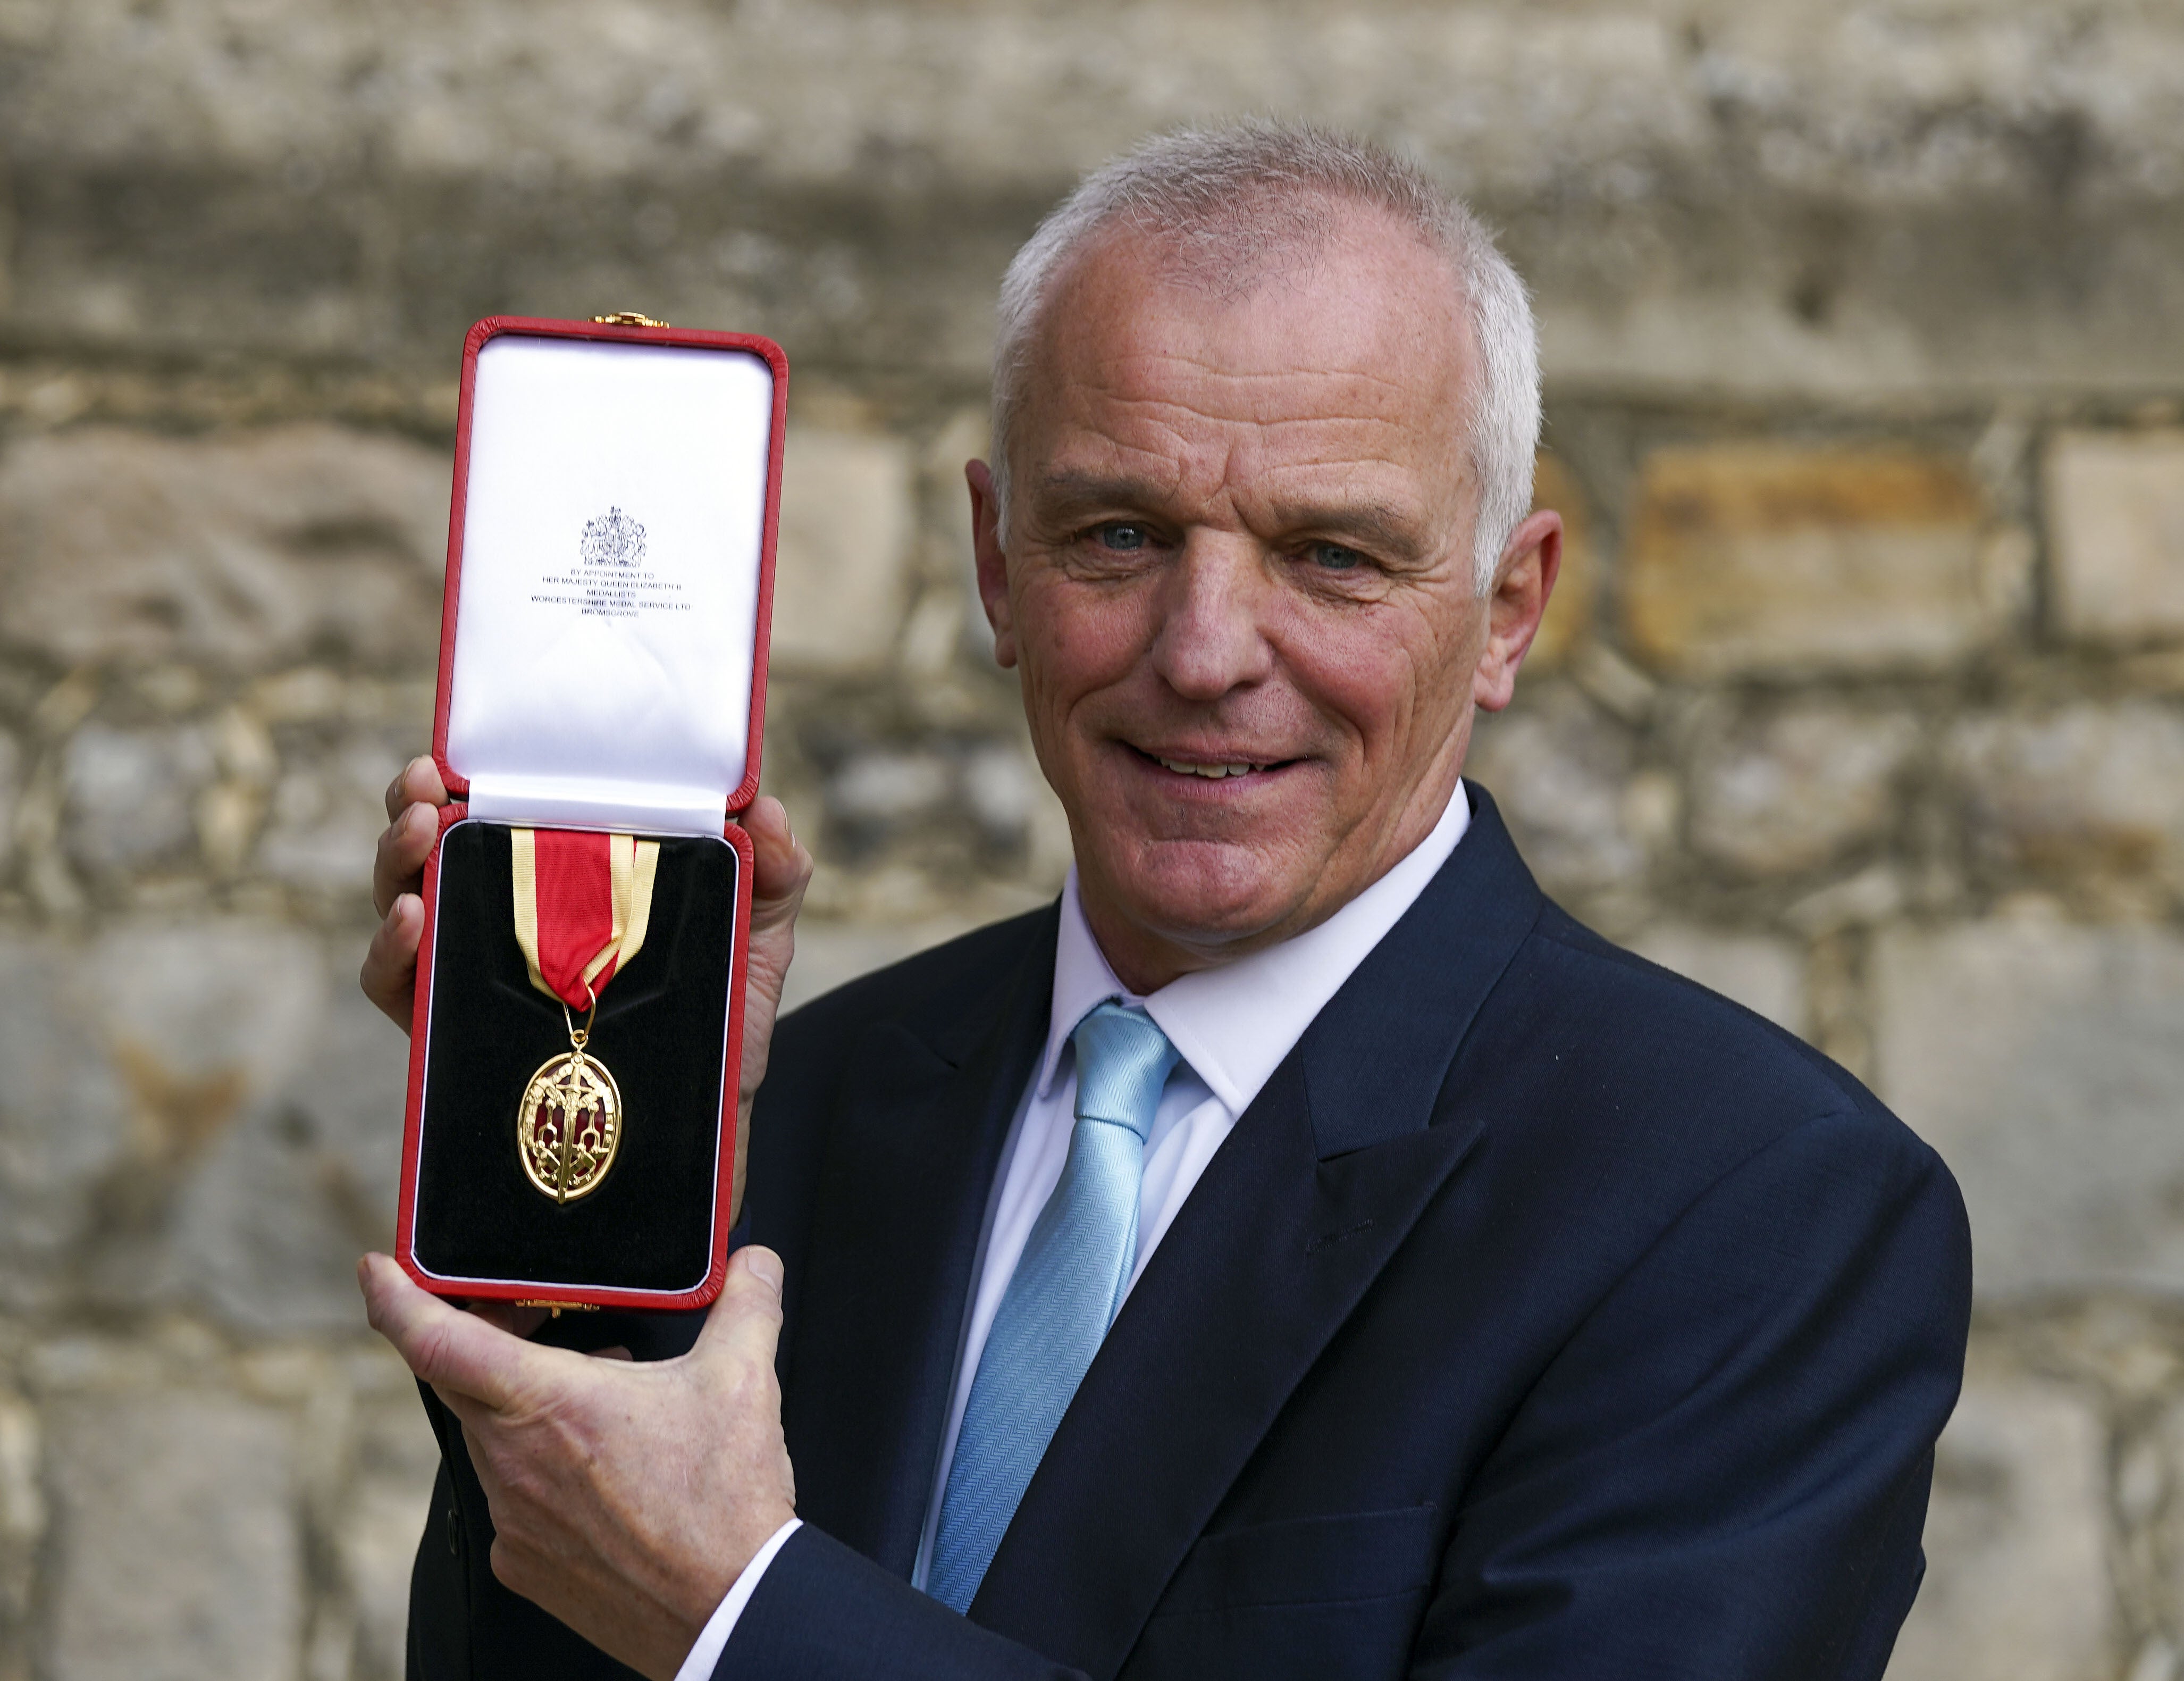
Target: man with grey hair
<point>1302,1250</point>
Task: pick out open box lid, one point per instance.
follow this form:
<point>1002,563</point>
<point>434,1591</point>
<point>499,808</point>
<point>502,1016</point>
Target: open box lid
<point>610,574</point>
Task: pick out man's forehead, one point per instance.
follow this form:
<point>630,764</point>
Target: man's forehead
<point>1366,321</point>
<point>1343,359</point>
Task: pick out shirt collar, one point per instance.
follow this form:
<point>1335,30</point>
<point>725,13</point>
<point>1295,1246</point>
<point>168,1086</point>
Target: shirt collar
<point>1233,1024</point>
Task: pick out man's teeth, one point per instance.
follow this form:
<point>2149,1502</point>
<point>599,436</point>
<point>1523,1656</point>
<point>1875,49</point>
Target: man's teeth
<point>1214,772</point>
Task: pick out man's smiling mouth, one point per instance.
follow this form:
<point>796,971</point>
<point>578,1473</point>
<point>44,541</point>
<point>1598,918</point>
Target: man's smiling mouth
<point>1212,770</point>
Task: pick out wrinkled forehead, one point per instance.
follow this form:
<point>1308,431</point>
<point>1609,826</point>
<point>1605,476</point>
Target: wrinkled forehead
<point>1354,328</point>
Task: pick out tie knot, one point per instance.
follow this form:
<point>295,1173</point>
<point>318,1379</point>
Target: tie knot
<point>1122,1061</point>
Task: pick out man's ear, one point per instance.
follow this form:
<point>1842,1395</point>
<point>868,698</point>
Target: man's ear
<point>992,563</point>
<point>1522,584</point>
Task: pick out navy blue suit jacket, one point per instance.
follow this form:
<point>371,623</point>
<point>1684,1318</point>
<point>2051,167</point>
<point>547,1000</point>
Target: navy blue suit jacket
<point>1546,1316</point>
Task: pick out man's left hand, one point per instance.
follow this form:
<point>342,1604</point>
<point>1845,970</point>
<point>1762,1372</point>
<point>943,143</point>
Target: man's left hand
<point>626,1498</point>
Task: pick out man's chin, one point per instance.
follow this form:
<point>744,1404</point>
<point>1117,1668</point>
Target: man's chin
<point>1216,900</point>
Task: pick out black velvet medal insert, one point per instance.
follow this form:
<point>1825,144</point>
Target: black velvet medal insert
<point>661,1030</point>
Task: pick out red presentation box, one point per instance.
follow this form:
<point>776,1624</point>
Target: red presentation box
<point>603,648</point>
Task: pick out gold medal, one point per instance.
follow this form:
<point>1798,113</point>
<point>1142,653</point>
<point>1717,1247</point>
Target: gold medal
<point>568,1127</point>
<point>583,903</point>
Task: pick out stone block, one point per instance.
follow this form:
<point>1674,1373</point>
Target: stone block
<point>2043,1060</point>
<point>2016,1538</point>
<point>1766,975</point>
<point>325,815</point>
<point>881,788</point>
<point>1002,791</point>
<point>2115,535</point>
<point>208,1114</point>
<point>989,794</point>
<point>11,761</point>
<point>177,1555</point>
<point>2165,1509</point>
<point>847,519</point>
<point>1795,790</point>
<point>203,1024</point>
<point>2084,790</point>
<point>383,1515</point>
<point>244,551</point>
<point>1570,609</point>
<point>1561,770</point>
<point>65,1116</point>
<point>22,1527</point>
<point>131,796</point>
<point>1800,200</point>
<point>1746,558</point>
<point>266,1232</point>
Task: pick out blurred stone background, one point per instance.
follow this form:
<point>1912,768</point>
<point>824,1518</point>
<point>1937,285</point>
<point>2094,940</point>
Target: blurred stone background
<point>1862,699</point>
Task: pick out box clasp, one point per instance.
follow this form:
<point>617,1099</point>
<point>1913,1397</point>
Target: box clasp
<point>627,318</point>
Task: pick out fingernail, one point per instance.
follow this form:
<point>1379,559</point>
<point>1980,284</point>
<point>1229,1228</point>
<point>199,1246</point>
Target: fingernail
<point>764,1265</point>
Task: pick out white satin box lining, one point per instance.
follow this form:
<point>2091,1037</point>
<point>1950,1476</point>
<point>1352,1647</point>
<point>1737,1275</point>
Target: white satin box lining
<point>606,624</point>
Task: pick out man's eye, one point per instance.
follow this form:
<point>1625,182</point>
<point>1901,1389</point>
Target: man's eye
<point>1333,557</point>
<point>1122,538</point>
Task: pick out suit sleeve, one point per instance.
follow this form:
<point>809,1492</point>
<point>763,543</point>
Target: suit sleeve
<point>1723,1474</point>
<point>824,1612</point>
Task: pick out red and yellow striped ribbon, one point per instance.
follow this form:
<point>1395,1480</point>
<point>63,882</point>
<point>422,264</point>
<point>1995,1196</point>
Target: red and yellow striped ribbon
<point>584,900</point>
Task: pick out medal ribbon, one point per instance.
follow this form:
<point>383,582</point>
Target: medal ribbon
<point>583,903</point>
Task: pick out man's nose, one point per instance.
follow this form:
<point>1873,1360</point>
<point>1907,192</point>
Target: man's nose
<point>1213,637</point>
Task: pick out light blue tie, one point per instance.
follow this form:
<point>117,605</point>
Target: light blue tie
<point>1064,1294</point>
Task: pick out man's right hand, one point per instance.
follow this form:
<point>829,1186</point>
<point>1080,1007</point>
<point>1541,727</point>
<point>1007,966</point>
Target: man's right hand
<point>414,799</point>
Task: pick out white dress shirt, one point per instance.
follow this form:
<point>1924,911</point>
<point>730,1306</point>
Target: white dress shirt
<point>1233,1026</point>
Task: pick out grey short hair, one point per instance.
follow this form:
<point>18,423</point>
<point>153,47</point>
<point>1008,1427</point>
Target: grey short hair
<point>1230,196</point>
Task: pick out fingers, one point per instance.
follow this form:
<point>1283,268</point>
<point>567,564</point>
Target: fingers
<point>413,798</point>
<point>745,1321</point>
<point>417,783</point>
<point>455,1352</point>
<point>389,974</point>
<point>398,867</point>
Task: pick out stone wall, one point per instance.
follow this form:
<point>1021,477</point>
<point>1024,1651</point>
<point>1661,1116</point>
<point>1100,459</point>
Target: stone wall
<point>1862,699</point>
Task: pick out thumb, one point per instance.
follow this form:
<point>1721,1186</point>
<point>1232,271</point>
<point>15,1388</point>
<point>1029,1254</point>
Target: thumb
<point>744,1322</point>
<point>781,865</point>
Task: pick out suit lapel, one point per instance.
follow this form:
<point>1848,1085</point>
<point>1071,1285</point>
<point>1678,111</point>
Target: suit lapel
<point>902,1205</point>
<point>1301,1209</point>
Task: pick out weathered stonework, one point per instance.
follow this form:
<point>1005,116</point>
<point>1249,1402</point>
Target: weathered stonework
<point>176,1531</point>
<point>845,536</point>
<point>2116,520</point>
<point>2076,797</point>
<point>2017,1537</point>
<point>1858,701</point>
<point>1748,557</point>
<point>244,553</point>
<point>2042,1060</point>
<point>1801,788</point>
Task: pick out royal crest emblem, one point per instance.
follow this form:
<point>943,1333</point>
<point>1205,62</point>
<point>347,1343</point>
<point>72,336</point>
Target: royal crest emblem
<point>612,540</point>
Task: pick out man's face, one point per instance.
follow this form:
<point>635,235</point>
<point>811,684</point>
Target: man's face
<point>1237,583</point>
